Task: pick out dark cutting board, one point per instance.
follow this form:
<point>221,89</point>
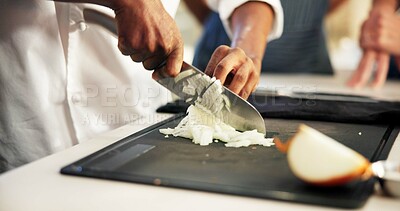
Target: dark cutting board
<point>256,171</point>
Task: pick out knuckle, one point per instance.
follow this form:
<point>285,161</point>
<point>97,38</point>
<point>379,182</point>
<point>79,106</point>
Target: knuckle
<point>148,65</point>
<point>380,22</point>
<point>136,57</point>
<point>241,77</point>
<point>249,62</point>
<point>256,75</point>
<point>124,50</point>
<point>130,46</point>
<point>222,48</point>
<point>209,72</point>
<point>248,90</point>
<point>238,51</point>
<point>380,42</point>
<point>242,57</point>
<point>220,68</point>
<point>244,93</point>
<point>252,67</point>
<point>380,15</point>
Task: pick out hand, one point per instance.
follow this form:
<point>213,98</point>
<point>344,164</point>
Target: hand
<point>380,37</point>
<point>148,34</point>
<point>239,66</point>
<point>381,32</point>
<point>234,69</point>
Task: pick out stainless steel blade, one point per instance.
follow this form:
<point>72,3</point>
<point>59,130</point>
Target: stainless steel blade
<point>242,115</point>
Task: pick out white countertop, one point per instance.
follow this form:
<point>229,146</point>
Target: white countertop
<point>40,186</point>
<point>328,84</point>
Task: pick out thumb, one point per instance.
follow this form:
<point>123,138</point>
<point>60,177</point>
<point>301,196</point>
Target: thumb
<point>172,66</point>
<point>174,62</point>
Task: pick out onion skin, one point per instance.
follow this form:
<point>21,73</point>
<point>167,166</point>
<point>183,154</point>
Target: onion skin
<point>282,147</point>
<point>363,173</point>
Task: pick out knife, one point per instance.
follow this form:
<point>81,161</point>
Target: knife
<point>239,113</point>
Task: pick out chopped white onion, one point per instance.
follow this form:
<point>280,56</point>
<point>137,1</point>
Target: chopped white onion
<point>203,123</point>
<point>204,128</point>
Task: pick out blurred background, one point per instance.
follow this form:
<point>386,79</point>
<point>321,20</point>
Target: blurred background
<point>342,29</point>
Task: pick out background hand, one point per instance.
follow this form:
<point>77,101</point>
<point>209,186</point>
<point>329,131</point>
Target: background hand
<point>380,38</point>
<point>239,66</point>
<point>381,32</point>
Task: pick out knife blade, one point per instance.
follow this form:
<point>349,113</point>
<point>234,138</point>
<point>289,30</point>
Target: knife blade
<point>239,114</point>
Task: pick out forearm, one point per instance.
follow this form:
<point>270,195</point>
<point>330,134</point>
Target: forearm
<point>251,23</point>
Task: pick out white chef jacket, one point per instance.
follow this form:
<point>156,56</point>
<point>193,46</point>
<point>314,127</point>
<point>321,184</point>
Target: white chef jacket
<point>63,82</point>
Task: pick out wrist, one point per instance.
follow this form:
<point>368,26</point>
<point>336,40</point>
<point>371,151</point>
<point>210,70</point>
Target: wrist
<point>251,24</point>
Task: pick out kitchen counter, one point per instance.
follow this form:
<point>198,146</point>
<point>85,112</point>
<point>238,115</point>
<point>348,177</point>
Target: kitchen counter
<point>40,186</point>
